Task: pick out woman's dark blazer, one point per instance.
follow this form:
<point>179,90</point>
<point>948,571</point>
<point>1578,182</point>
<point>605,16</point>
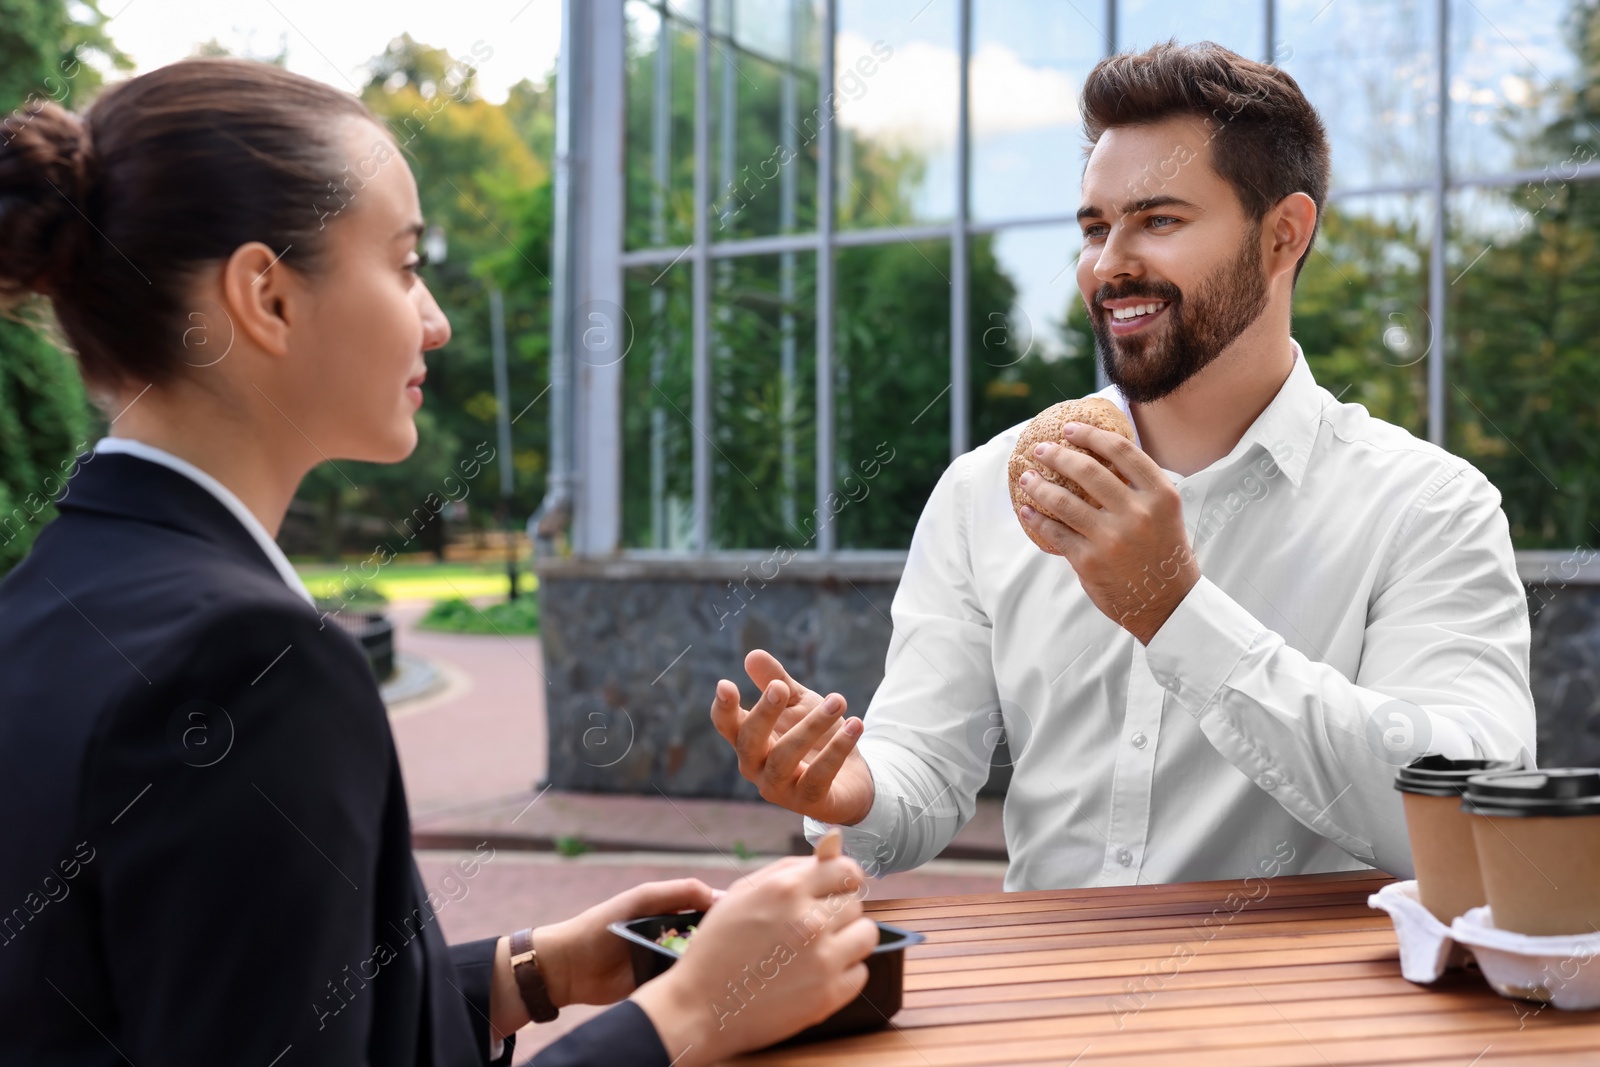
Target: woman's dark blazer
<point>206,854</point>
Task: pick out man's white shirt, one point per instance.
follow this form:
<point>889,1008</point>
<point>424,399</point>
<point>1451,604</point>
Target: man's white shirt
<point>1359,605</point>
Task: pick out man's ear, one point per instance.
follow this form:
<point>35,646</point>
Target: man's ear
<point>1289,227</point>
<point>259,293</point>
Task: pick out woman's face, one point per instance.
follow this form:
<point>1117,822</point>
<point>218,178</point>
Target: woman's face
<point>359,353</point>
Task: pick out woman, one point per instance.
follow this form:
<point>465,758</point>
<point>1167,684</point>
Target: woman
<point>215,863</point>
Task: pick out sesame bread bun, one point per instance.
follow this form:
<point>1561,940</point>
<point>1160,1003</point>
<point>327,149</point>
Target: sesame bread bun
<point>1047,426</point>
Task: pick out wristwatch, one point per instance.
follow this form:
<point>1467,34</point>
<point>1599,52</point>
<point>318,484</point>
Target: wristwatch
<point>530,979</point>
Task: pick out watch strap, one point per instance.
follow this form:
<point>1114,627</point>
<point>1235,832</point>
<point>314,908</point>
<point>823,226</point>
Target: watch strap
<point>530,979</point>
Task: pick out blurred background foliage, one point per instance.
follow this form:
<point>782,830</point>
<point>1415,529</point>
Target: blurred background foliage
<point>45,418</point>
<point>483,175</point>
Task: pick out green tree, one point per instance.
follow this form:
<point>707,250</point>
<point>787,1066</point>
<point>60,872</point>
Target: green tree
<point>44,417</point>
<point>482,181</point>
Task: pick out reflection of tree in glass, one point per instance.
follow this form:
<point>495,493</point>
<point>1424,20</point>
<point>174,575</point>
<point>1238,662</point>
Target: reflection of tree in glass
<point>1360,312</point>
<point>657,404</point>
<point>1524,398</point>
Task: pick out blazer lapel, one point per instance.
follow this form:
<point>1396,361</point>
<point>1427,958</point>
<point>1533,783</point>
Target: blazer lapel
<point>132,488</point>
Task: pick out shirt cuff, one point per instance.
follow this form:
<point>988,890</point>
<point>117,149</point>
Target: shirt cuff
<point>867,841</point>
<point>1200,644</point>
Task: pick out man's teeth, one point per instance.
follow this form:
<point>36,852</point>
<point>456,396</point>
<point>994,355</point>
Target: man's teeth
<point>1137,310</point>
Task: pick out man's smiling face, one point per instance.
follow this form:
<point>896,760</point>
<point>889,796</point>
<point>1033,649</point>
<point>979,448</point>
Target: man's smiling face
<point>1171,267</point>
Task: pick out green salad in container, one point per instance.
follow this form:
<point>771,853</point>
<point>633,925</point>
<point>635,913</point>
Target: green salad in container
<point>673,941</point>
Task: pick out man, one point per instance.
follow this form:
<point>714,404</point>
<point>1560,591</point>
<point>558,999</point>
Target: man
<point>1273,602</point>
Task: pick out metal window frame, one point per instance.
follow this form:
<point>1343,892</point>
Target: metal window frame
<point>598,492</point>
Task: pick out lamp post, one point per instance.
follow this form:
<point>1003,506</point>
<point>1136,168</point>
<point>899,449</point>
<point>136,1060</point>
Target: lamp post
<point>435,247</point>
<point>502,397</point>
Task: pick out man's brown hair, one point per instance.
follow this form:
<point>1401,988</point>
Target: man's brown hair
<point>1266,139</point>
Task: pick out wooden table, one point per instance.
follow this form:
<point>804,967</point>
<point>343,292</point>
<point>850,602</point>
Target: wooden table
<point>1294,970</point>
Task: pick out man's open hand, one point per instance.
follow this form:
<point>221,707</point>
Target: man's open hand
<point>795,745</point>
<point>1132,552</point>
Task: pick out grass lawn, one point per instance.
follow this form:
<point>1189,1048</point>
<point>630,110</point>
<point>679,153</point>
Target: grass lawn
<point>416,581</point>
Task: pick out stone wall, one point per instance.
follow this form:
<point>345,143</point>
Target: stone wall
<point>1564,605</point>
<point>633,649</point>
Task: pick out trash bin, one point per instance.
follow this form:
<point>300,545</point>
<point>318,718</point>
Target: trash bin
<point>376,633</point>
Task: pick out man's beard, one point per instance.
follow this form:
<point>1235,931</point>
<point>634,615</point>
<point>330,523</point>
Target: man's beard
<point>1150,365</point>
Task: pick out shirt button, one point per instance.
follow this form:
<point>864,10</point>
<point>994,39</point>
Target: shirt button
<point>1177,686</point>
<point>1269,782</point>
<point>1125,858</point>
<point>1139,740</point>
<point>1188,495</point>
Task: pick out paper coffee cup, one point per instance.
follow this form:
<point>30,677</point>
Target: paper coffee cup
<point>1538,839</point>
<point>1442,846</point>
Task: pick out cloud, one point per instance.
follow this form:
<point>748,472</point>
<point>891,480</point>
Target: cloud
<point>911,99</point>
<point>1009,96</point>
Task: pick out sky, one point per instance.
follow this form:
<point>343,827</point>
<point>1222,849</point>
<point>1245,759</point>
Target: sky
<point>331,40</point>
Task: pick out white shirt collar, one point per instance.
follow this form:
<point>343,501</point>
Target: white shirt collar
<point>129,447</point>
<point>1287,428</point>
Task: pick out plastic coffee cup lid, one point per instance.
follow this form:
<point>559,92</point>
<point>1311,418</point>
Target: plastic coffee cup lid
<point>1558,791</point>
<point>1439,776</point>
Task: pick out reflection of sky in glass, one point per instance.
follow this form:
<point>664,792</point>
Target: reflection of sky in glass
<point>763,26</point>
<point>1509,62</point>
<point>1230,23</point>
<point>1413,210</point>
<point>1367,67</point>
<point>1028,66</point>
<point>909,99</point>
<point>1499,215</point>
<point>1041,262</point>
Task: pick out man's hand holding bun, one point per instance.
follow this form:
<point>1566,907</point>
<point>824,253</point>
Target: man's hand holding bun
<point>1049,426</point>
<point>1082,489</point>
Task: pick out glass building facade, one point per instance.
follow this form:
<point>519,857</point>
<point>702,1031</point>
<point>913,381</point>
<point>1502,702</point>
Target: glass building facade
<point>847,243</point>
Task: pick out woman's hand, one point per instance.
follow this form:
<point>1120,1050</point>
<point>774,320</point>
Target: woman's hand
<point>585,963</point>
<point>582,961</point>
<point>782,950</point>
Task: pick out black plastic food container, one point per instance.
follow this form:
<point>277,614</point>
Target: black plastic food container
<point>872,1009</point>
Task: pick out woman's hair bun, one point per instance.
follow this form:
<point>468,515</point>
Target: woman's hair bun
<point>44,183</point>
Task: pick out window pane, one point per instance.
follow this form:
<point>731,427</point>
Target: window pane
<point>1360,307</point>
<point>1028,66</point>
<point>764,401</point>
<point>1230,23</point>
<point>1523,375</point>
<point>657,452</point>
<point>764,118</point>
<point>895,93</point>
<point>891,388</point>
<point>1511,69</point>
<point>1368,67</point>
<point>1031,346</point>
<point>660,128</point>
